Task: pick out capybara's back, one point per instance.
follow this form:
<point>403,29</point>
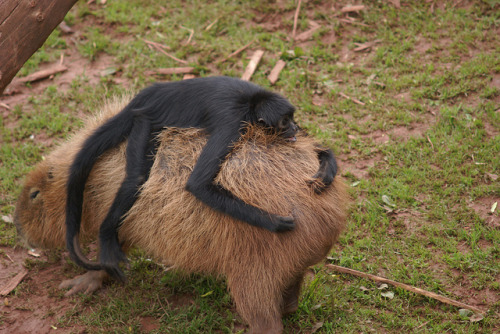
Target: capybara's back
<point>263,270</point>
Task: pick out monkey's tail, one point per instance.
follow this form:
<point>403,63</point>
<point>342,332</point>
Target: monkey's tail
<point>107,136</point>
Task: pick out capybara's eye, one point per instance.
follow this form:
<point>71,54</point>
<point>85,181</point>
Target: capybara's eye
<point>34,194</point>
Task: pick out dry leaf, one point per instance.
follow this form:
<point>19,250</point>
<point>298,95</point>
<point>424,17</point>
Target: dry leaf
<point>465,312</point>
<point>493,207</point>
<point>388,294</point>
<point>316,326</point>
<point>8,219</point>
<point>493,177</point>
<point>387,200</point>
<point>34,253</point>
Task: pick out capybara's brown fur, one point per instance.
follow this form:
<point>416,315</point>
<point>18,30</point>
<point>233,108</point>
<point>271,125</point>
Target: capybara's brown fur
<point>263,270</point>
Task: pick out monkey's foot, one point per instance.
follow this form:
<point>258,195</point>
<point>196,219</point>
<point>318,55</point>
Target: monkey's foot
<point>87,283</point>
<point>316,185</point>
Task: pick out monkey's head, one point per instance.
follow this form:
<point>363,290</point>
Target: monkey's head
<point>275,112</point>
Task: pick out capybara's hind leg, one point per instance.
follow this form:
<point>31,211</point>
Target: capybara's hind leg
<point>291,296</point>
<point>258,302</point>
<point>86,283</point>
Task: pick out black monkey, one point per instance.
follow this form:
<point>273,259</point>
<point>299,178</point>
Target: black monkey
<point>220,105</point>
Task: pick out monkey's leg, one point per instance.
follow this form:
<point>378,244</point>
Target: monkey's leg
<point>86,283</point>
<point>137,165</point>
<point>201,184</point>
<point>291,296</point>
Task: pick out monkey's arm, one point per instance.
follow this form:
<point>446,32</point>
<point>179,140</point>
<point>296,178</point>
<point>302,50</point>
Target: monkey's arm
<point>201,185</point>
<point>327,169</point>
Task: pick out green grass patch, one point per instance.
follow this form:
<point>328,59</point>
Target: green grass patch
<point>419,152</point>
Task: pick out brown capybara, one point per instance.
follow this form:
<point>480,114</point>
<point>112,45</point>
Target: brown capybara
<point>264,270</point>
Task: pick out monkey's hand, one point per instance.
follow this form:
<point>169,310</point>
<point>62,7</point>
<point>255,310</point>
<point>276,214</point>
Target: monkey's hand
<point>283,224</point>
<point>87,283</point>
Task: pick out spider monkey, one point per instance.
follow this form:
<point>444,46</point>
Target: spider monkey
<point>222,106</point>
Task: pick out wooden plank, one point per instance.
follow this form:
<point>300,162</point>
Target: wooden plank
<point>13,282</point>
<point>275,72</point>
<point>252,65</point>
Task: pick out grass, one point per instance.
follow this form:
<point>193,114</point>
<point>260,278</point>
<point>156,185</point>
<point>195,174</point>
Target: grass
<point>435,69</point>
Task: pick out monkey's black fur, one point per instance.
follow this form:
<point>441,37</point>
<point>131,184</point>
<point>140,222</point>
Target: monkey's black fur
<point>220,105</point>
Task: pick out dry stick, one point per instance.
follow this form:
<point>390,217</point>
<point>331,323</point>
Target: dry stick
<point>367,45</point>
<point>212,24</point>
<point>404,286</point>
<point>151,43</point>
<point>295,18</point>
<point>352,99</point>
<point>354,22</point>
<point>11,285</point>
<point>236,52</point>
<point>169,55</point>
<point>43,73</point>
<point>6,106</point>
<point>430,142</point>
<point>275,72</point>
<point>191,33</point>
<point>306,34</point>
<point>174,70</point>
<point>252,65</point>
<point>348,9</point>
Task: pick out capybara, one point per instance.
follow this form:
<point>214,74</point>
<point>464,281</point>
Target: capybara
<point>263,270</point>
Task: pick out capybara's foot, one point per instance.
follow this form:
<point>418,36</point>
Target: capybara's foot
<point>87,283</point>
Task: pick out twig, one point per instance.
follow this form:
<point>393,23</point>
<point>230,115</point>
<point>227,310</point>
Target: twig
<point>306,34</point>
<point>161,305</point>
<point>172,70</point>
<point>5,105</point>
<point>352,99</point>
<point>169,55</point>
<point>275,72</point>
<point>151,43</point>
<point>191,33</point>
<point>43,73</point>
<point>354,22</point>
<point>9,257</point>
<point>422,325</point>
<point>367,45</point>
<point>429,140</point>
<point>295,18</point>
<point>13,283</point>
<point>404,286</point>
<point>213,23</point>
<point>348,9</point>
<point>236,52</point>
